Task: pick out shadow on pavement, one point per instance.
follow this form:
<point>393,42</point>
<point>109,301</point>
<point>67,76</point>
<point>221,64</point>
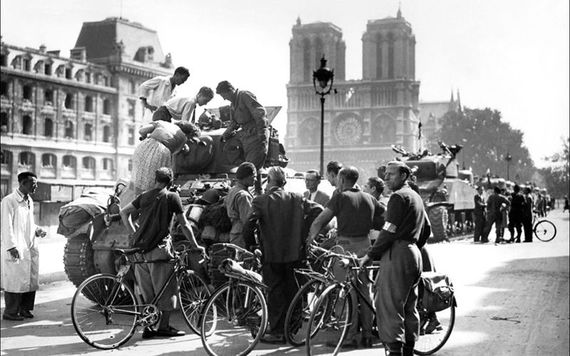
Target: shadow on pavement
<point>522,310</point>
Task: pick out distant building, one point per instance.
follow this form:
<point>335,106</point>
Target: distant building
<point>74,121</point>
<point>365,117</point>
<point>431,114</point>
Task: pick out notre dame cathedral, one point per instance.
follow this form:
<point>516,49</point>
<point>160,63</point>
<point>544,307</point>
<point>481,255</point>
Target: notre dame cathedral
<point>363,118</point>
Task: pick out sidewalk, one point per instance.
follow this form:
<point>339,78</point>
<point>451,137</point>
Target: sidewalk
<point>51,257</point>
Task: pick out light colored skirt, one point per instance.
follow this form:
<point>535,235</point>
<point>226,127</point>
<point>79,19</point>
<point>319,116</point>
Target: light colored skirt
<point>149,156</point>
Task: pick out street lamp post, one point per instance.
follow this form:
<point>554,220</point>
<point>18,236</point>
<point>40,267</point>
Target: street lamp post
<point>508,158</point>
<point>323,79</point>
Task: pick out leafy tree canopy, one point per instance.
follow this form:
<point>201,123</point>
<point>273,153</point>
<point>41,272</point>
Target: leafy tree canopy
<point>487,141</point>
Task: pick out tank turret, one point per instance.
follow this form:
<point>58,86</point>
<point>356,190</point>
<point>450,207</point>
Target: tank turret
<point>446,190</point>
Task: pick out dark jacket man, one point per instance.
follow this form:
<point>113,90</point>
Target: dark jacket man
<point>496,203</point>
<point>479,214</point>
<point>516,214</point>
<point>281,217</point>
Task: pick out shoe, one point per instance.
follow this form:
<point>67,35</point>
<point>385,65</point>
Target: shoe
<point>366,342</point>
<point>170,332</point>
<point>26,314</point>
<point>148,333</point>
<point>433,326</point>
<point>347,344</point>
<point>273,339</point>
<point>13,317</point>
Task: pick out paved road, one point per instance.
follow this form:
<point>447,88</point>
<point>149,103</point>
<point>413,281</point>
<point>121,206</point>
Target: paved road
<point>513,300</point>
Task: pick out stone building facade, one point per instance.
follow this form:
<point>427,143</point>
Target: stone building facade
<point>74,120</point>
<point>364,117</point>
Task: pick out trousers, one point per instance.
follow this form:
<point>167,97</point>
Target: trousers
<point>360,312</point>
<point>152,276</point>
<point>280,278</point>
<point>396,295</point>
<point>16,302</point>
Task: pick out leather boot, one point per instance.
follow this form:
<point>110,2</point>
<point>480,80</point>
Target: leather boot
<point>394,349</point>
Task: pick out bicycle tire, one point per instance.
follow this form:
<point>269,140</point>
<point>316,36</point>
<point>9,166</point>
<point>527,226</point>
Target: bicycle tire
<point>234,319</point>
<point>111,320</point>
<point>330,321</point>
<point>193,294</point>
<point>298,313</point>
<point>430,341</point>
<point>544,230</point>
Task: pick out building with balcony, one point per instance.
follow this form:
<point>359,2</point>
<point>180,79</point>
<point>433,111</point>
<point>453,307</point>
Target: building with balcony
<point>74,120</point>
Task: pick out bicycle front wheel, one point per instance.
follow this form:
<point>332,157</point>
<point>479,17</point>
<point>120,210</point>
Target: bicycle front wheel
<point>104,311</point>
<point>329,321</point>
<point>193,294</point>
<point>234,319</point>
<point>299,312</point>
<point>544,230</point>
<point>435,329</point>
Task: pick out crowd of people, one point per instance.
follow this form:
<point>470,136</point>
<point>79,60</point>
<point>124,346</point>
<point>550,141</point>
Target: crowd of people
<point>392,230</point>
<point>509,210</point>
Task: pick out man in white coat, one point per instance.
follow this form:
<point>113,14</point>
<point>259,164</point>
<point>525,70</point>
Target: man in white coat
<point>20,255</point>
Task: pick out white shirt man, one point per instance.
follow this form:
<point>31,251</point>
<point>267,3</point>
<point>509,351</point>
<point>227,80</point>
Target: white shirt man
<point>156,91</point>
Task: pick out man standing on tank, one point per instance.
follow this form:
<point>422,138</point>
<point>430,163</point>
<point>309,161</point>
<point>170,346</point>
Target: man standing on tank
<point>247,114</point>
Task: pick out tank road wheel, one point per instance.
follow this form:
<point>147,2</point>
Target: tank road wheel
<point>438,219</point>
<point>78,259</point>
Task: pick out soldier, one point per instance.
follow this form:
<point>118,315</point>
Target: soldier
<point>400,263</point>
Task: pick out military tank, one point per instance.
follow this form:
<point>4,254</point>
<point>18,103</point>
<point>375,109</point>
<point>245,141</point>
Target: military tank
<point>93,226</point>
<point>446,190</point>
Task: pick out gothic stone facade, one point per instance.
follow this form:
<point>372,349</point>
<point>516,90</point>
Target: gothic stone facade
<point>74,121</point>
<point>364,117</point>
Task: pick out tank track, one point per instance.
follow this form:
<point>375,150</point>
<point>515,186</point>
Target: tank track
<point>78,259</point>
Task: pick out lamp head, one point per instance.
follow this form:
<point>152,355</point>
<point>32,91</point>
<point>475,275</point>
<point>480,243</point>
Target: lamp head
<point>324,77</point>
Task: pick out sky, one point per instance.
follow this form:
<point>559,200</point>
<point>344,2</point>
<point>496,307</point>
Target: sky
<point>509,55</point>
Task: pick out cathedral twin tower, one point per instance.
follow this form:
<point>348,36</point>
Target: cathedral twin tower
<point>366,116</point>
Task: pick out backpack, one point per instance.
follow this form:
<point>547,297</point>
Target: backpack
<point>216,215</point>
<point>437,291</point>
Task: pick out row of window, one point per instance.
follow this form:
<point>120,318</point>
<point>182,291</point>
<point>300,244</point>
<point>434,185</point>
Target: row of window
<point>49,160</point>
<point>27,124</point>
<point>68,102</point>
<point>45,67</point>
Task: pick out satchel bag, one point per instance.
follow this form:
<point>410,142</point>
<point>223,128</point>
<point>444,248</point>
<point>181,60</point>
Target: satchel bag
<point>437,291</point>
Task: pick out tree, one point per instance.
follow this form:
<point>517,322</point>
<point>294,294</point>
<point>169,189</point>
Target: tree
<point>556,175</point>
<point>486,141</point>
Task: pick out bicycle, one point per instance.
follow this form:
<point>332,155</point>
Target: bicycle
<point>236,312</point>
<point>302,304</point>
<point>105,312</point>
<point>332,314</point>
<point>544,230</point>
